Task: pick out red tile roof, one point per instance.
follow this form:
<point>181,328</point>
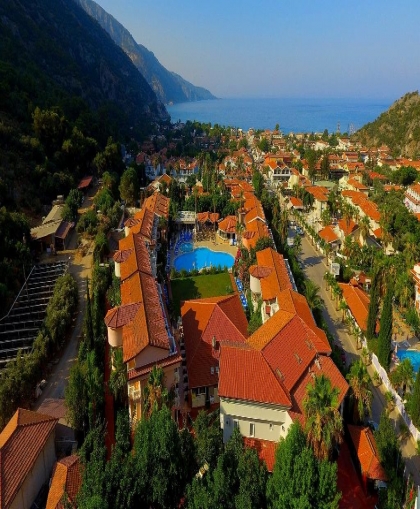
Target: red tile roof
<point>21,442</point>
<point>138,256</point>
<point>246,375</point>
<point>294,302</point>
<point>328,234</point>
<point>66,478</point>
<point>347,227</point>
<point>84,182</point>
<point>158,204</point>
<point>253,232</point>
<point>296,202</point>
<point>278,279</point>
<point>121,256</point>
<point>358,303</point>
<point>266,450</point>
<point>122,315</point>
<point>144,221</point>
<point>228,224</point>
<point>259,271</point>
<point>322,365</point>
<point>148,326</point>
<point>220,317</point>
<point>365,447</point>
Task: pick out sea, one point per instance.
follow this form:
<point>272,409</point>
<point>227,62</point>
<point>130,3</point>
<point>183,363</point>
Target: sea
<point>292,115</point>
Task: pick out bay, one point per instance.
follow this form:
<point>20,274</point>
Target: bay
<point>292,114</point>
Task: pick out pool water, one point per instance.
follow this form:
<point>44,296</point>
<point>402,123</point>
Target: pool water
<point>186,247</point>
<point>413,355</point>
<point>201,258</point>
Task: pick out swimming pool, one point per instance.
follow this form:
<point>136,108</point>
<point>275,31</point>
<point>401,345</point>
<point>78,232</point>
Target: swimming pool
<point>413,355</point>
<point>186,247</point>
<point>201,258</point>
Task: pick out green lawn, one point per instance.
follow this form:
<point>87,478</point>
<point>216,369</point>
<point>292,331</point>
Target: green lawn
<point>211,285</point>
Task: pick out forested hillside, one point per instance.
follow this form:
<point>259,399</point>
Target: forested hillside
<point>68,97</point>
<point>399,127</point>
<point>65,87</point>
<point>168,86</point>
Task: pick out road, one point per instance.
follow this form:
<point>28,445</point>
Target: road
<point>315,267</point>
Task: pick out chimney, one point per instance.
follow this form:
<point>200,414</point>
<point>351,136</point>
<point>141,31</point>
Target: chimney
<point>213,342</point>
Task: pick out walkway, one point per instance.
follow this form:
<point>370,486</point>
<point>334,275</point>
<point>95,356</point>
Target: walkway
<point>315,268</point>
<point>80,267</point>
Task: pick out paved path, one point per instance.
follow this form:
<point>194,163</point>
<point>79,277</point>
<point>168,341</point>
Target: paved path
<point>315,268</point>
<point>80,268</point>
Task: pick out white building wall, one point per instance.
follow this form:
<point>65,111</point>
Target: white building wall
<point>39,474</point>
<point>271,422</point>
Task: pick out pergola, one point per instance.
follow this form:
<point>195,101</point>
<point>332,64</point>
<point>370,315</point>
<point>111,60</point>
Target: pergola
<point>19,328</point>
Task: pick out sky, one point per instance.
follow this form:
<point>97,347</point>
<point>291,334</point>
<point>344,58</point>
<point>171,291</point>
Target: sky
<point>282,48</point>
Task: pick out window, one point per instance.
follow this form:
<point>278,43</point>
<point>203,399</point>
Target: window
<point>236,424</point>
<point>252,429</point>
<point>271,426</point>
<point>200,391</point>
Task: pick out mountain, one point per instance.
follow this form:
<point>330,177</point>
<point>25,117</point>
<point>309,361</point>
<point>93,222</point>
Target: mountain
<point>52,51</point>
<point>168,86</point>
<point>398,127</point>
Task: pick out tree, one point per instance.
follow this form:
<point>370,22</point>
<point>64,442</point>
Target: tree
<point>315,302</point>
<point>129,186</point>
<point>208,438</point>
<point>157,457</point>
<point>385,330</point>
<point>110,159</point>
<point>403,376</point>
<point>359,382</point>
<point>93,458</point>
<point>324,426</point>
<point>118,379</point>
<point>155,394</point>
<point>73,201</point>
<point>373,307</point>
<point>88,322</point>
<point>237,482</point>
<point>364,228</point>
<point>414,402</point>
<point>264,145</point>
<point>311,158</point>
<point>299,479</point>
<point>258,183</point>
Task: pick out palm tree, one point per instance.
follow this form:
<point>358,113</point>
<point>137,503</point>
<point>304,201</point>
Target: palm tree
<point>403,376</point>
<point>297,245</point>
<point>324,425</point>
<point>155,394</point>
<point>343,307</point>
<point>359,381</point>
<point>312,296</point>
<point>364,228</point>
<point>117,383</point>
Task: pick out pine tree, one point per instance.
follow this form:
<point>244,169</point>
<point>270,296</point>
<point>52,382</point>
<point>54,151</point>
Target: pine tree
<point>373,307</point>
<point>88,324</point>
<point>385,332</point>
<point>415,402</point>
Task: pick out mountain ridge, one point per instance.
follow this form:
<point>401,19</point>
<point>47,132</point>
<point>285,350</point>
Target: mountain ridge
<point>168,86</point>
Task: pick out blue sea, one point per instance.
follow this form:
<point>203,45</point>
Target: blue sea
<point>293,115</point>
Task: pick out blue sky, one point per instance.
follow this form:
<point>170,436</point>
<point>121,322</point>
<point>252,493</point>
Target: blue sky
<point>282,48</point>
